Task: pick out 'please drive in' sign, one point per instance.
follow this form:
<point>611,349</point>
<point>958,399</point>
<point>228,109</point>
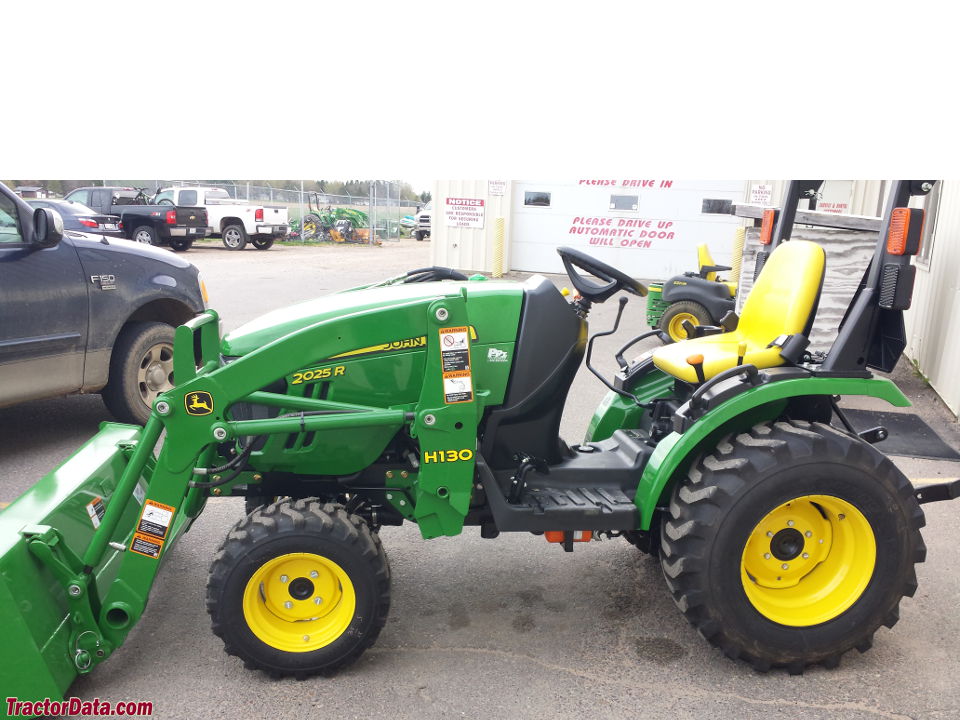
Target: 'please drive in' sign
<point>464,212</point>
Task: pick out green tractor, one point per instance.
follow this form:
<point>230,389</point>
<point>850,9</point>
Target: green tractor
<point>785,538</point>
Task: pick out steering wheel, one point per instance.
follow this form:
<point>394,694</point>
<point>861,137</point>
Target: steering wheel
<point>166,200</point>
<point>594,292</point>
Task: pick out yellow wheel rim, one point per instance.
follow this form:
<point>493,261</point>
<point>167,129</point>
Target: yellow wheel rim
<point>808,560</point>
<point>675,326</point>
<point>299,602</point>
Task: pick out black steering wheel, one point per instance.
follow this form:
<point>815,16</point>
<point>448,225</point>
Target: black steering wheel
<point>594,292</point>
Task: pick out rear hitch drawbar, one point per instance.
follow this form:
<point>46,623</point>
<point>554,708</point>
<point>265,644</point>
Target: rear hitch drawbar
<point>935,493</point>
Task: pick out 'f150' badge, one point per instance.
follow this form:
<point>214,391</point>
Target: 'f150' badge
<point>105,282</point>
<point>198,402</point>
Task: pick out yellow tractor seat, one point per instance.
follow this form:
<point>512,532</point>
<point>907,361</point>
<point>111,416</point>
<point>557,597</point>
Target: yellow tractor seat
<point>706,263</point>
<point>783,302</point>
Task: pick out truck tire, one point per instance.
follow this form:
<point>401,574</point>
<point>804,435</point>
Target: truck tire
<point>181,244</point>
<point>145,234</point>
<point>673,317</point>
<point>419,235</point>
<point>299,588</point>
<point>792,543</point>
<point>141,367</point>
<point>234,237</point>
<point>261,242</point>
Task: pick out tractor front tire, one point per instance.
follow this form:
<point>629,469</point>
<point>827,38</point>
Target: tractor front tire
<point>299,588</point>
<point>671,322</point>
<point>792,543</point>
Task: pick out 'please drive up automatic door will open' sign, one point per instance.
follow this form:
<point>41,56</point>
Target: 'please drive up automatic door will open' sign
<point>464,212</point>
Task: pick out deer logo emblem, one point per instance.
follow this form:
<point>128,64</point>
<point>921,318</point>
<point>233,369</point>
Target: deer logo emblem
<point>199,402</point>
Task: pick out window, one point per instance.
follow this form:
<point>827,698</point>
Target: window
<point>536,199</point>
<point>187,197</point>
<point>9,222</point>
<point>215,194</point>
<point>80,196</point>
<point>624,202</point>
<point>931,204</point>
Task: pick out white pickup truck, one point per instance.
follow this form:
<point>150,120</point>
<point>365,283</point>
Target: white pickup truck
<point>236,221</point>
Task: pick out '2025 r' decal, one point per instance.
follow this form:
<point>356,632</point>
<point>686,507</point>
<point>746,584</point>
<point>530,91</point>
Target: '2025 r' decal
<point>323,373</point>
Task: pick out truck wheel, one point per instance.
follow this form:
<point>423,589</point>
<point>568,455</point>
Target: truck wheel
<point>792,543</point>
<point>671,322</point>
<point>418,235</point>
<point>234,237</point>
<point>263,243</point>
<point>141,367</point>
<point>181,244</point>
<point>299,588</point>
<point>146,235</point>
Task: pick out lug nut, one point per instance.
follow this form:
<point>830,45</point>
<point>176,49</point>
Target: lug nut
<point>283,578</point>
<point>769,533</point>
<point>314,574</point>
<point>766,556</point>
<point>808,533</point>
<point>791,523</point>
<point>288,605</point>
<point>806,556</point>
<point>306,638</point>
<point>841,516</point>
<point>785,566</point>
<point>317,600</point>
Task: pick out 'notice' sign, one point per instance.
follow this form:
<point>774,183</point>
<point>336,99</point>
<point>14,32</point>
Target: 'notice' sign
<point>464,212</point>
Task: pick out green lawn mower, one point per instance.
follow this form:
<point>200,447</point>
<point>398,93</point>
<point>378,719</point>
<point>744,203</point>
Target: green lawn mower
<point>785,538</point>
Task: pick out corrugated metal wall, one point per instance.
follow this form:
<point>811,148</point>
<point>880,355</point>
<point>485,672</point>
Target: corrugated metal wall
<point>933,321</point>
<point>468,248</point>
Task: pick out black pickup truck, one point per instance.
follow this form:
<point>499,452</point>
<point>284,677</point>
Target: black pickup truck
<point>160,224</point>
<point>85,313</point>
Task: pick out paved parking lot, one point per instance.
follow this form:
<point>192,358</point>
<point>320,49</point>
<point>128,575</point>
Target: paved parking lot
<point>494,629</point>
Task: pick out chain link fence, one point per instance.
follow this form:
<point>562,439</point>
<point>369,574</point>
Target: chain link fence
<point>382,208</point>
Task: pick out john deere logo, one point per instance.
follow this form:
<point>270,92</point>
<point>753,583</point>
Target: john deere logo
<point>199,403</point>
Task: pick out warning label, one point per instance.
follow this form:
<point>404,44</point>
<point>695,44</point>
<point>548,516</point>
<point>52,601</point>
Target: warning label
<point>455,364</point>
<point>155,519</point>
<point>96,509</point>
<point>145,545</point>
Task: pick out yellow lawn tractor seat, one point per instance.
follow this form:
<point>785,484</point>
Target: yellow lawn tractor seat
<point>783,302</point>
<point>708,268</point>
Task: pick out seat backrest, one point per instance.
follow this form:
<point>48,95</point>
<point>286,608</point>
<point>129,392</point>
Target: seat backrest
<point>705,259</point>
<point>784,299</point>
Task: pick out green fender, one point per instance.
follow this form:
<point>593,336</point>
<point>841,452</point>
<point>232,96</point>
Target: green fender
<point>671,452</point>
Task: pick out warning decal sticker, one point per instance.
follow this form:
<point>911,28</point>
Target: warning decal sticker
<point>145,545</point>
<point>455,364</point>
<point>96,510</point>
<point>155,519</point>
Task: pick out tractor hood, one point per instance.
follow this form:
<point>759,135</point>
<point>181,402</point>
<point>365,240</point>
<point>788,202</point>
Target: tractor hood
<point>486,300</point>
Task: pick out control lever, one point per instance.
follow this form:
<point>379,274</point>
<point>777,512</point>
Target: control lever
<point>607,383</point>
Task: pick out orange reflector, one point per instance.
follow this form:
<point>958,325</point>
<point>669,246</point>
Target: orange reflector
<point>906,231</point>
<point>695,360</point>
<point>766,227</point>
<point>899,227</point>
<point>557,536</point>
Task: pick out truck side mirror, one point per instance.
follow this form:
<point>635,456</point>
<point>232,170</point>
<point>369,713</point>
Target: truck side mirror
<point>47,227</point>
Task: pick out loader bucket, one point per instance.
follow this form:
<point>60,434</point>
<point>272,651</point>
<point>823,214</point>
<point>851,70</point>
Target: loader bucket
<point>36,660</point>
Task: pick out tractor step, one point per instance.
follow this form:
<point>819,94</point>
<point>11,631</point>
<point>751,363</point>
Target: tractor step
<point>540,509</point>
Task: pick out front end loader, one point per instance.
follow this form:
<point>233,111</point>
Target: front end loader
<point>785,537</point>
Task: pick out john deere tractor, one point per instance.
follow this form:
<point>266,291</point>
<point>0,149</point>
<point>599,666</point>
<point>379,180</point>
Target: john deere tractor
<point>785,538</point>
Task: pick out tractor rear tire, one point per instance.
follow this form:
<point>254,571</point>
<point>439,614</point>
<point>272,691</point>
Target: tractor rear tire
<point>792,543</point>
<point>299,588</point>
<point>675,314</point>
